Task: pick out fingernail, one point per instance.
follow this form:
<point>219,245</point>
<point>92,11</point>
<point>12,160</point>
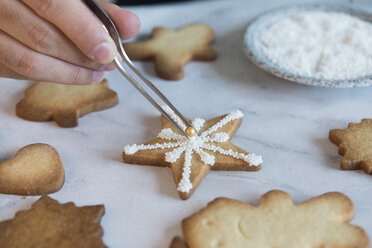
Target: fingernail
<point>111,66</point>
<point>119,57</point>
<point>98,76</point>
<point>103,52</point>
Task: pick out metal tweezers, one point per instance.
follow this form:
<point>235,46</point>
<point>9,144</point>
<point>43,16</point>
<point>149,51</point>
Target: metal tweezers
<point>110,27</point>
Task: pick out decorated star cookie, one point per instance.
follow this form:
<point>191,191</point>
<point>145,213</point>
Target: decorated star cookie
<point>192,159</point>
<point>35,170</point>
<point>50,224</point>
<point>355,145</point>
<point>64,103</point>
<point>322,221</point>
<point>171,50</point>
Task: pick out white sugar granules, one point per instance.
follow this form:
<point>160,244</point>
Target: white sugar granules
<point>319,44</point>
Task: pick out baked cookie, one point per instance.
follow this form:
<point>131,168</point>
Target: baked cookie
<point>192,159</point>
<point>355,145</point>
<point>178,242</point>
<point>50,224</point>
<point>36,169</point>
<point>171,50</point>
<point>322,221</point>
<point>64,103</point>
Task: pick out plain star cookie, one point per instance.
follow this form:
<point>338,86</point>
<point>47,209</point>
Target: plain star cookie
<point>322,221</point>
<point>50,224</point>
<point>192,159</point>
<point>171,50</point>
<point>355,145</point>
<point>36,169</point>
<point>64,103</point>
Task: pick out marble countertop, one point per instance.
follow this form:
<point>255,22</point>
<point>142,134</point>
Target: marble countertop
<point>285,122</point>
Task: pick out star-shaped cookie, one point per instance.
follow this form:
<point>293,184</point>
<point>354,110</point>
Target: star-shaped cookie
<point>322,221</point>
<point>192,159</point>
<point>64,103</point>
<point>50,224</point>
<point>171,50</point>
<point>355,145</point>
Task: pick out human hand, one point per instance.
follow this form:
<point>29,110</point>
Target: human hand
<point>58,41</point>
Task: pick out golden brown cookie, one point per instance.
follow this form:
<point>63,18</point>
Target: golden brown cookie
<point>64,103</point>
<point>322,221</point>
<point>178,242</point>
<point>50,224</point>
<point>355,145</point>
<point>192,159</point>
<point>36,169</point>
<point>171,50</point>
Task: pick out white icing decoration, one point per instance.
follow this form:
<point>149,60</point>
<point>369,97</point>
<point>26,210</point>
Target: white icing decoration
<point>185,184</point>
<point>198,144</point>
<point>130,149</point>
<point>250,158</point>
<point>197,124</point>
<point>236,114</point>
<point>168,134</point>
<point>220,137</point>
<point>173,155</point>
<point>174,117</point>
<point>206,157</point>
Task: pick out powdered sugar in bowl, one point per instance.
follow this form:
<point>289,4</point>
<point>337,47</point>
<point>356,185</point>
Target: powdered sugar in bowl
<point>319,45</point>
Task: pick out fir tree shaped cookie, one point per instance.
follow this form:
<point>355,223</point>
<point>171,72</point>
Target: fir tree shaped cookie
<point>355,145</point>
<point>64,103</point>
<point>50,224</point>
<point>192,159</point>
<point>322,221</point>
<point>171,50</point>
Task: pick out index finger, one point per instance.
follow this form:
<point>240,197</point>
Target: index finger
<point>76,21</point>
<point>127,22</point>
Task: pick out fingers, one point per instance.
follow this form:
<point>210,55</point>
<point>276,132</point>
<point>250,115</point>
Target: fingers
<point>74,19</point>
<point>58,41</point>
<point>20,22</point>
<point>126,21</point>
<point>21,60</point>
<point>8,73</point>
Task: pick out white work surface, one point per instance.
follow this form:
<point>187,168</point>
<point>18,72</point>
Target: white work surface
<point>285,122</point>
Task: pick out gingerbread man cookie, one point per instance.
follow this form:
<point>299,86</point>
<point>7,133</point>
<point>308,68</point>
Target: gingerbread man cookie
<point>192,159</point>
<point>171,50</point>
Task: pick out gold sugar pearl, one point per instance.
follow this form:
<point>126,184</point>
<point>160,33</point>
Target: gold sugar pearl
<point>190,131</point>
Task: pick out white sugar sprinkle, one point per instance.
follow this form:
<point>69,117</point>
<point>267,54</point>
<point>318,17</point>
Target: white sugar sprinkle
<point>319,44</point>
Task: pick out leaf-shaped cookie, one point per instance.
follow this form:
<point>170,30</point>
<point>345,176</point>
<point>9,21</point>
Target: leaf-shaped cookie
<point>355,145</point>
<point>64,103</point>
<point>322,221</point>
<point>50,224</point>
<point>36,169</point>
